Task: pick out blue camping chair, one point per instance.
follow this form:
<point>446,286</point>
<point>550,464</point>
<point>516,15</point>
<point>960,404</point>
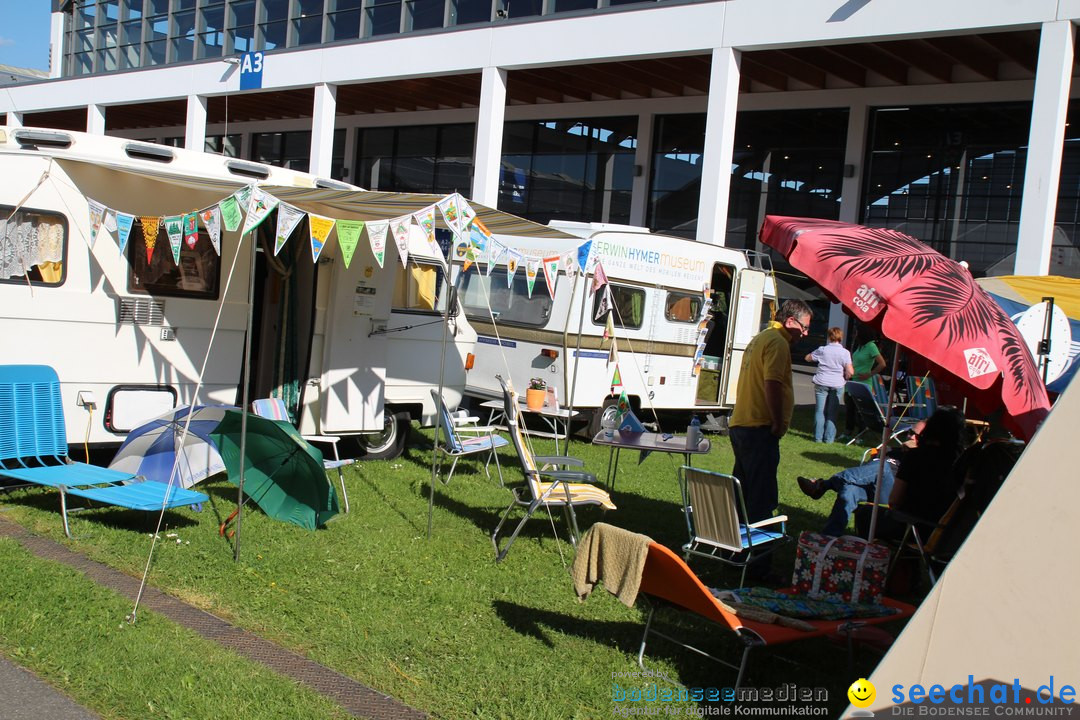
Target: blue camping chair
<point>462,437</point>
<point>923,397</point>
<point>33,449</point>
<point>873,414</point>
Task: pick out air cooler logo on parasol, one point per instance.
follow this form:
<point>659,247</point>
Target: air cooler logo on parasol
<point>866,299</point>
<point>979,362</point>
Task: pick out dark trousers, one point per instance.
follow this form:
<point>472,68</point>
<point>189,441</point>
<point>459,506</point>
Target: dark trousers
<point>757,456</point>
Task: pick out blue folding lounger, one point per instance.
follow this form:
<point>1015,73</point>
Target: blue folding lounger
<point>33,449</point>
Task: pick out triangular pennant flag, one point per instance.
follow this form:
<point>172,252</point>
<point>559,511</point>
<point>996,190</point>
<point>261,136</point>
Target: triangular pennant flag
<point>479,242</point>
<point>465,250</point>
<point>569,263</point>
<point>609,326</point>
<point>449,208</point>
<point>123,229</point>
<point>230,213</point>
<point>468,216</point>
<point>496,250</point>
<point>623,407</point>
<point>348,236</point>
<point>320,228</point>
<point>551,273</point>
<point>604,306</point>
<point>191,229</point>
<point>613,353</point>
<point>532,267</point>
<point>583,254</point>
<point>376,232</point>
<point>243,196</point>
<point>512,261</point>
<point>109,223</point>
<point>211,220</point>
<point>599,278</point>
<point>426,220</point>
<point>150,226</point>
<point>97,216</point>
<point>399,226</point>
<point>288,217</point>
<point>174,228</point>
<point>260,204</point>
<point>616,380</point>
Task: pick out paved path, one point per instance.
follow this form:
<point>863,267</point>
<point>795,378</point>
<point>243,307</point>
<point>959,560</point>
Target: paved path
<point>28,697</point>
<point>359,700</point>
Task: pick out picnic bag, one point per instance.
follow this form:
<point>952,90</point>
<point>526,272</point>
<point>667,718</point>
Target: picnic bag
<point>845,569</point>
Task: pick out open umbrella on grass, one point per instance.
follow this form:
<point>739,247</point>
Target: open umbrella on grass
<point>283,473</point>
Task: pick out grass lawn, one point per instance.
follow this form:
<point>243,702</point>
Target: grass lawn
<point>435,623</point>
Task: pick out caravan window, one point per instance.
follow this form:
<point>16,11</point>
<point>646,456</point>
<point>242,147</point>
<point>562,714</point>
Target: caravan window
<point>33,245</point>
<point>419,288</point>
<point>629,304</point>
<point>196,276</point>
<point>510,305</point>
<point>682,307</point>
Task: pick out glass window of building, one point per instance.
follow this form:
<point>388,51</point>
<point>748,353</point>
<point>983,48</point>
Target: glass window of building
<point>463,12</point>
<point>569,169</point>
<point>133,9</point>
<point>39,239</point>
<point>422,158</point>
<point>183,36</point>
<point>227,145</point>
<point>211,43</point>
<point>424,14</point>
<point>308,21</point>
<point>951,176</point>
<point>523,8</point>
<point>274,24</point>
<point>675,184</point>
<point>1065,253</point>
<point>383,17</point>
<point>157,36</point>
<point>293,150</point>
<point>571,5</point>
<point>344,20</point>
<point>240,35</point>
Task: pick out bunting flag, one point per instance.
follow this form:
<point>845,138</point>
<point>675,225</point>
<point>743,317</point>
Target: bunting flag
<point>150,226</point>
<point>230,213</point>
<point>479,242</point>
<point>569,263</point>
<point>623,406</point>
<point>599,278</point>
<point>348,237</point>
<point>399,226</point>
<point>465,250</point>
<point>613,353</point>
<point>260,204</point>
<point>109,223</point>
<point>174,228</point>
<point>211,220</point>
<point>426,220</point>
<point>191,229</point>
<point>496,250</point>
<point>532,267</point>
<point>376,232</point>
<point>609,327</point>
<point>243,196</point>
<point>123,229</point>
<point>468,217</point>
<point>604,306</point>
<point>448,206</point>
<point>551,273</point>
<point>288,217</point>
<point>97,216</point>
<point>512,260</point>
<point>616,379</point>
<point>319,228</point>
<point>583,254</point>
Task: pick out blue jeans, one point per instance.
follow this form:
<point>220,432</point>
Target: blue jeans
<point>757,456</point>
<point>853,486</point>
<point>827,402</point>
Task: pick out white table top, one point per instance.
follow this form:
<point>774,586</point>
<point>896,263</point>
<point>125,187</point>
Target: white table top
<point>563,413</point>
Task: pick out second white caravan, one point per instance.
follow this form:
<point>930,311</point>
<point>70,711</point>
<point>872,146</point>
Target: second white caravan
<point>684,312</point>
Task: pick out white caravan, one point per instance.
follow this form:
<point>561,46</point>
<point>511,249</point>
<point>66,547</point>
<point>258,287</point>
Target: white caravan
<point>128,333</point>
<point>677,351</point>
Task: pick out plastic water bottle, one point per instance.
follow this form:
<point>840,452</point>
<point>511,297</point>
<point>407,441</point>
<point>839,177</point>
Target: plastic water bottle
<point>607,422</point>
<point>693,434</point>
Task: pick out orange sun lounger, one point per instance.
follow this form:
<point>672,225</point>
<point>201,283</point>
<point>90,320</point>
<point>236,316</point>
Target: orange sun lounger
<point>667,578</point>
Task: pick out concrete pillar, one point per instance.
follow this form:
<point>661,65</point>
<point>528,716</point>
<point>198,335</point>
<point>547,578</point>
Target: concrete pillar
<point>851,186</point>
<point>719,146</point>
<point>95,119</point>
<point>1043,172</point>
<point>487,157</point>
<point>639,190</point>
<point>56,45</point>
<point>195,129</point>
<point>322,130</point>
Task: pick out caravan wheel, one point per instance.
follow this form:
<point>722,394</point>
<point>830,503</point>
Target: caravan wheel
<point>388,444</point>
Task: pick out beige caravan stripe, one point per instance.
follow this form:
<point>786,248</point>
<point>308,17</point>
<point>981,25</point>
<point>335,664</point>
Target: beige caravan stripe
<point>588,342</point>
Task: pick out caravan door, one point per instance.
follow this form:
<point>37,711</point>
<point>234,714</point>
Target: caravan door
<point>353,382</point>
<point>745,323</point>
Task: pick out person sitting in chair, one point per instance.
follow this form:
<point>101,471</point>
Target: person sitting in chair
<point>917,479</point>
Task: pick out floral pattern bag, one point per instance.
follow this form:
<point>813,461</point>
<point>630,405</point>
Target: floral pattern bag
<point>845,569</point>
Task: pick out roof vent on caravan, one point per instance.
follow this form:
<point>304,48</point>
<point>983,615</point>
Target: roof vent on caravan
<point>146,151</point>
<point>333,184</point>
<point>42,138</point>
<point>140,311</point>
<point>248,169</point>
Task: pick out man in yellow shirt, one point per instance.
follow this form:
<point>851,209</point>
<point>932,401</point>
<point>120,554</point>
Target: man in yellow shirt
<point>763,404</point>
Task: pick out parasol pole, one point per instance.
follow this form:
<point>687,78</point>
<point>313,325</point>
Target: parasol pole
<point>245,390</point>
<point>577,351</point>
<point>884,447</point>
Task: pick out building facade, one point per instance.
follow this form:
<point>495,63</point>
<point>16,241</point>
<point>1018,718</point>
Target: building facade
<point>949,121</point>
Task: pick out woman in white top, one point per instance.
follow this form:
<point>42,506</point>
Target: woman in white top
<point>834,370</point>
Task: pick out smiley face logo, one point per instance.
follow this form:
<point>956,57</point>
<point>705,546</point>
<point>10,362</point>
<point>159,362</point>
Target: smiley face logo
<point>861,693</point>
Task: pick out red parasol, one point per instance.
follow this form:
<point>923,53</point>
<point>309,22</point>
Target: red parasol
<point>923,301</point>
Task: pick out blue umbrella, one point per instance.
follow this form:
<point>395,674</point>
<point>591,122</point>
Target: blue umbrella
<point>151,449</point>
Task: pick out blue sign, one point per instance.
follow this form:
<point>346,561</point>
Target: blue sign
<point>251,69</point>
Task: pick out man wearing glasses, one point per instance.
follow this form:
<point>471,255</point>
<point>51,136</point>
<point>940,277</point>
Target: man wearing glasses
<point>763,405</point>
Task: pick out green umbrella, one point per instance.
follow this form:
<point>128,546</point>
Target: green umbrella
<point>283,472</point>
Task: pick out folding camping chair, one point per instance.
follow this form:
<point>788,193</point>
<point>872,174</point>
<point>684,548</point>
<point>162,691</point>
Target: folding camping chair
<point>714,508</point>
<point>873,414</point>
<point>274,409</point>
<point>545,488</point>
<point>922,396</point>
<point>33,449</point>
<point>666,579</point>
<point>462,437</point>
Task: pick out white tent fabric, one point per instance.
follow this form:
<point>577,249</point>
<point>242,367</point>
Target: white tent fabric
<point>1005,607</point>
